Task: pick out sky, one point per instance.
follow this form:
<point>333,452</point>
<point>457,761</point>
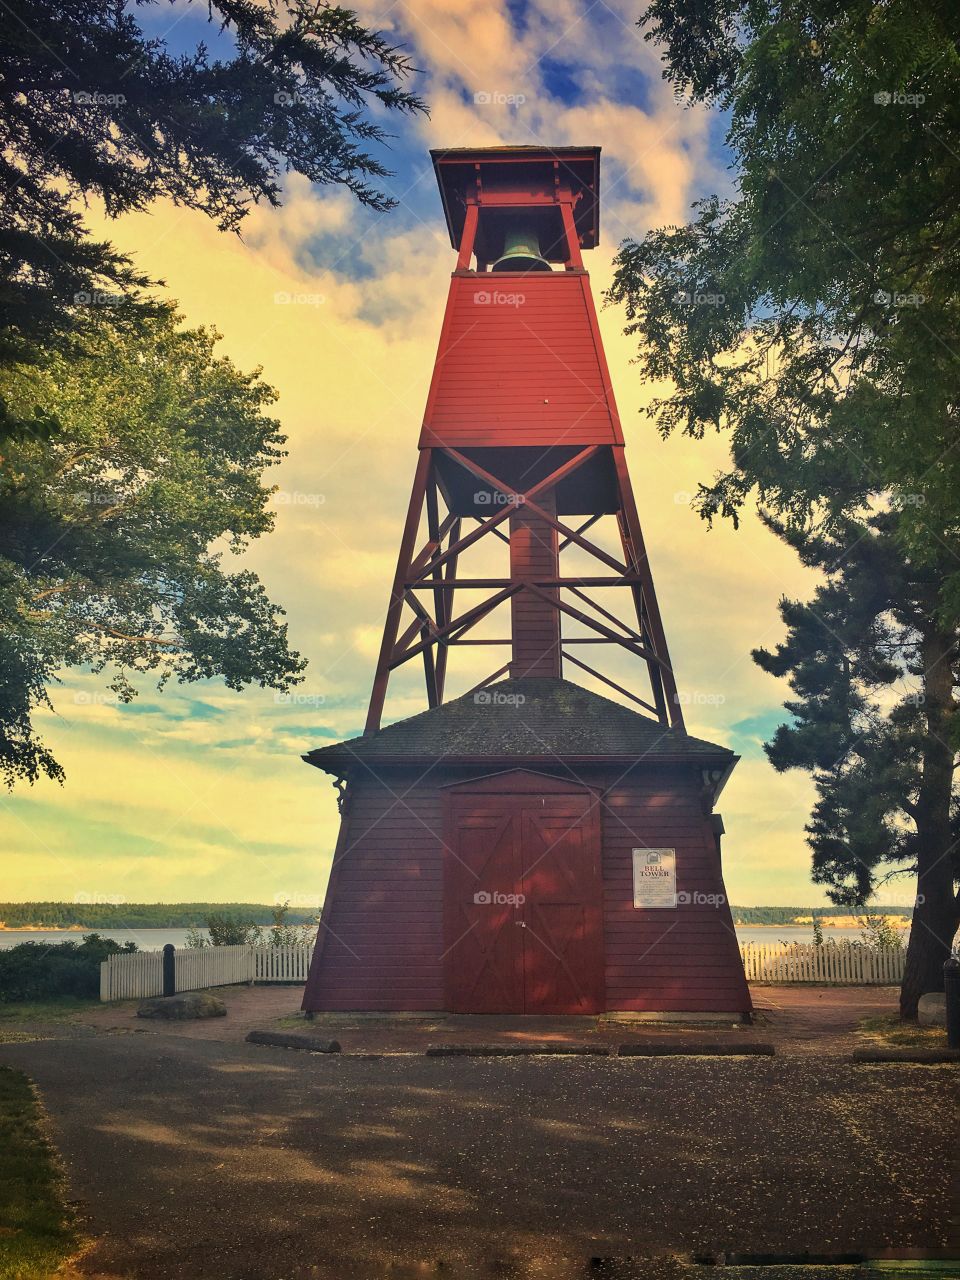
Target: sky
<point>199,793</point>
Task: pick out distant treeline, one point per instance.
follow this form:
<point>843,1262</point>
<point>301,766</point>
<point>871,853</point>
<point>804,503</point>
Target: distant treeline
<point>139,915</point>
<point>181,915</point>
<point>787,915</point>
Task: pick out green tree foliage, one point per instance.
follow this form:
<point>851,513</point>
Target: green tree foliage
<point>814,318</point>
<point>227,931</point>
<point>879,933</point>
<point>138,915</point>
<point>114,534</point>
<point>863,656</point>
<point>285,932</point>
<point>92,106</point>
<point>133,451</point>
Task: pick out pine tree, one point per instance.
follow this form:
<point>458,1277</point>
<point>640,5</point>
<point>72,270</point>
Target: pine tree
<point>91,105</point>
<point>814,318</point>
<point>872,669</point>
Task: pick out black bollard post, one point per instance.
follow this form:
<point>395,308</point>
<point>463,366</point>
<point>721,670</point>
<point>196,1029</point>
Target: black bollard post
<point>169,970</point>
<point>951,986</point>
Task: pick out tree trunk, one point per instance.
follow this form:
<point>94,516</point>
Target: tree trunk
<point>935,910</point>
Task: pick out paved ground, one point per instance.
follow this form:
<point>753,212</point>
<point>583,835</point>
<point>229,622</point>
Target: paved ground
<point>196,1156</point>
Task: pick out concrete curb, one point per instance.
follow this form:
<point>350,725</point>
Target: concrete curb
<point>285,1040</point>
<point>513,1050</point>
<point>922,1056</point>
<point>677,1048</point>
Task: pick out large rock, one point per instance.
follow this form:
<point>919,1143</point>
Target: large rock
<point>189,1004</point>
<point>932,1010</point>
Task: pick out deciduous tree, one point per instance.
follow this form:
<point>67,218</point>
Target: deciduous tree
<point>115,533</point>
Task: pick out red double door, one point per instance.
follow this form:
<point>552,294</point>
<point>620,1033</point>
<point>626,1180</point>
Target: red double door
<point>523,902</point>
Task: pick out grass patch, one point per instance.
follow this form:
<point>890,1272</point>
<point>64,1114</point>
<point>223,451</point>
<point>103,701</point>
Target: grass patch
<point>886,1030</point>
<point>56,1009</point>
<point>41,1016</point>
<point>39,1232</point>
<point>292,1020</point>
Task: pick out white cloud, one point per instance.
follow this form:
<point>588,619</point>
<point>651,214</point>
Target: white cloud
<point>225,794</point>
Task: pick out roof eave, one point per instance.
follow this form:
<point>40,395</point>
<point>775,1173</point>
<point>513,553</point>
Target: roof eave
<point>337,761</point>
<point>440,155</point>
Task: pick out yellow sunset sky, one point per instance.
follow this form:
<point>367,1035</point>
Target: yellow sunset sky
<point>199,793</point>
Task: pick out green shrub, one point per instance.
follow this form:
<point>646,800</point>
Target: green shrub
<point>41,970</point>
<point>227,931</point>
<point>879,932</point>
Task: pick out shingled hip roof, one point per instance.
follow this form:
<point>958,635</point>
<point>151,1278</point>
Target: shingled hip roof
<point>524,719</point>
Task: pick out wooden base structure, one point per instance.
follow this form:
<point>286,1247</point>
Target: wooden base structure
<point>512,850</point>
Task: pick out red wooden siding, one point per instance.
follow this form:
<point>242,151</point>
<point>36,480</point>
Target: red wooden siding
<point>520,372</point>
<point>534,622</point>
<point>383,937</point>
<point>381,943</point>
<point>667,959</point>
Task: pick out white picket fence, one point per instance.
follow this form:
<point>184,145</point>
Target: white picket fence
<point>282,964</point>
<point>839,963</point>
<point>198,967</point>
<point>128,977</point>
<point>125,977</point>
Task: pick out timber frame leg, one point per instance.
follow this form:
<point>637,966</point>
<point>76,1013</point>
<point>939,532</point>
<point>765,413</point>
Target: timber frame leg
<point>433,570</point>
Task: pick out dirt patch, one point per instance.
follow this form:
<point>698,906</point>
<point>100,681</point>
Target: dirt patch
<point>797,1020</point>
<point>247,1008</point>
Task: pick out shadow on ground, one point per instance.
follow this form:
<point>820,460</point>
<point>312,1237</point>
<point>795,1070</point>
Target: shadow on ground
<point>200,1157</point>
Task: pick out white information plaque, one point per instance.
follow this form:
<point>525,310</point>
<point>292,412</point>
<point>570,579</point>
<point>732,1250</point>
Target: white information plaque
<point>654,877</point>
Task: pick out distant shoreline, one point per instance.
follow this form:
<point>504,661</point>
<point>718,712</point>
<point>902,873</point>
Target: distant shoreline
<point>52,928</point>
<point>828,922</point>
<point>90,914</point>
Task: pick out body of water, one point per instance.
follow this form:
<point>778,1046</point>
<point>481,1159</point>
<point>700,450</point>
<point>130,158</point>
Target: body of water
<point>155,939</point>
<point>798,933</point>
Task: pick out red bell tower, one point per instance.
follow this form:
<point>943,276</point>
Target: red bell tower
<point>521,441</point>
<point>528,846</point>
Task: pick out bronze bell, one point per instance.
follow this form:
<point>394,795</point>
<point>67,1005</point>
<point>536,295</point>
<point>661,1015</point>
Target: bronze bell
<point>521,249</point>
